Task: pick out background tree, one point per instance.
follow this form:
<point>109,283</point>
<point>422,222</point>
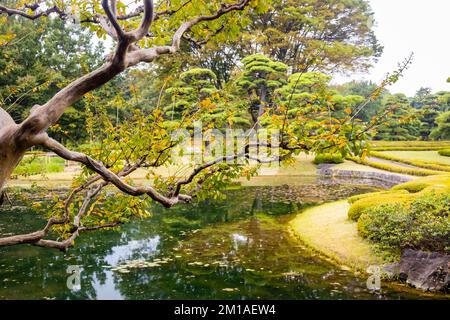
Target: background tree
<point>311,91</point>
<point>430,106</point>
<point>335,34</point>
<point>260,78</point>
<point>363,89</point>
<point>43,57</point>
<point>402,124</point>
<point>442,132</point>
<point>192,87</point>
<point>328,36</point>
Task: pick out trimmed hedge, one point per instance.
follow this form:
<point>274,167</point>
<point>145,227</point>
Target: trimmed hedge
<point>445,152</point>
<point>353,199</point>
<point>406,148</point>
<point>396,169</point>
<point>418,163</point>
<point>437,183</point>
<point>328,158</point>
<point>410,144</point>
<point>423,224</point>
<point>363,204</point>
<point>403,193</point>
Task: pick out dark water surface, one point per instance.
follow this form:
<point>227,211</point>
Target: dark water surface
<point>234,249</point>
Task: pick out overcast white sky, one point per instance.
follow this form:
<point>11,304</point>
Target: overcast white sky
<point>403,26</point>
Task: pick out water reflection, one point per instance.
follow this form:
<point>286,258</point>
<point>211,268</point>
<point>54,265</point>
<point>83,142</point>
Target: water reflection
<point>233,249</point>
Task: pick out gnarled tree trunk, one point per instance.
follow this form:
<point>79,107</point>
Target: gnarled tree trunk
<point>10,152</point>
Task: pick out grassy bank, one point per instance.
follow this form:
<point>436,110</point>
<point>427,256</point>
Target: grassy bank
<point>327,229</point>
<point>411,215</point>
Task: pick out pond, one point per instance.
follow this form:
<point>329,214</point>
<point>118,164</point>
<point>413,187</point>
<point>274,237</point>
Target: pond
<point>239,248</point>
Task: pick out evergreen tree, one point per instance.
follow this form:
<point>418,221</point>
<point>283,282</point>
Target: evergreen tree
<point>260,78</point>
<point>192,87</point>
<point>402,124</point>
<point>442,132</point>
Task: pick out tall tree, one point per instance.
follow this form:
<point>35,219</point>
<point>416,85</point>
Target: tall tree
<point>260,78</point>
<point>402,125</point>
<point>43,57</point>
<point>192,87</point>
<point>307,35</point>
<point>328,35</point>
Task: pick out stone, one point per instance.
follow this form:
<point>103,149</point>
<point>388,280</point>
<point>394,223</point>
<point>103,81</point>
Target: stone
<point>427,271</point>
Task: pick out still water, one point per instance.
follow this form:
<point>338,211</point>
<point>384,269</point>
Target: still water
<point>238,248</point>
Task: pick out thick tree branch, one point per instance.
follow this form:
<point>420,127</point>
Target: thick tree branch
<point>147,20</point>
<point>111,13</point>
<point>5,119</point>
<point>45,13</point>
<point>31,237</point>
<point>111,177</point>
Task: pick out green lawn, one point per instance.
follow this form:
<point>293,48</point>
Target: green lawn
<point>327,229</point>
<point>411,144</point>
<point>431,156</point>
<point>38,165</point>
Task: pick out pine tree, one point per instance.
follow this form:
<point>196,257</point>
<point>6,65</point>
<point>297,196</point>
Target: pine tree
<point>192,87</point>
<point>260,78</point>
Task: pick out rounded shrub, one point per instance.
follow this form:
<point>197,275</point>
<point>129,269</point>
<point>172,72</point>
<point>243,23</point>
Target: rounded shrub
<point>353,199</point>
<point>334,158</point>
<point>363,204</point>
<point>428,183</point>
<point>423,224</point>
<point>445,152</point>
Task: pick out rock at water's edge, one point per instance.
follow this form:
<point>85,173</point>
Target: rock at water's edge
<point>428,271</point>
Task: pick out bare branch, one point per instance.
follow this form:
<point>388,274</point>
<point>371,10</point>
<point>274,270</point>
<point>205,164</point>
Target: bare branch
<point>94,19</point>
<point>31,237</point>
<point>200,43</point>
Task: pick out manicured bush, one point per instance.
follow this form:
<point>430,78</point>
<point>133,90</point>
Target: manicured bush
<point>445,152</point>
<point>406,148</point>
<point>418,163</point>
<point>423,145</point>
<point>423,224</point>
<point>353,199</point>
<point>328,158</point>
<point>441,182</point>
<point>361,205</point>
